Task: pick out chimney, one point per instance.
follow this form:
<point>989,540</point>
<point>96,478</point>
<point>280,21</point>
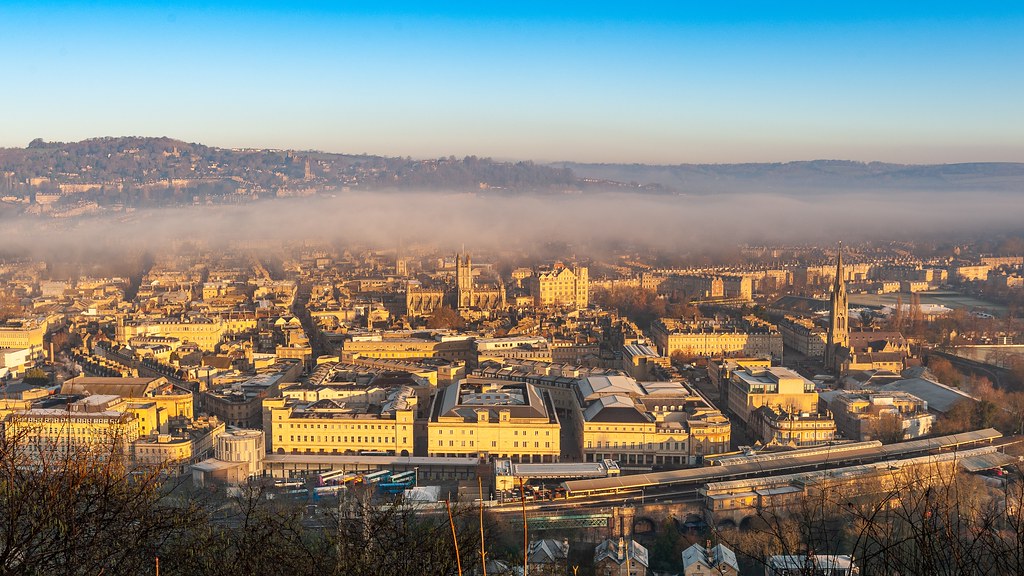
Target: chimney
<point>622,548</point>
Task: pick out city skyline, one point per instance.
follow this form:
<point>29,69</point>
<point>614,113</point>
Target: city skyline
<point>630,289</point>
<point>648,84</point>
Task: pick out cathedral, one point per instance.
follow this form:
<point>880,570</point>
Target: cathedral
<point>464,295</point>
<point>470,295</point>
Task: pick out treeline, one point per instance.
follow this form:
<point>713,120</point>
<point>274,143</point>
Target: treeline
<point>931,519</point>
<point>134,161</point>
<point>1002,409</point>
<point>89,513</point>
<point>643,306</point>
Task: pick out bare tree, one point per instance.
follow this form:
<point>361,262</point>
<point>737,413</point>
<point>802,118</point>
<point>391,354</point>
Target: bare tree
<point>927,519</point>
<point>81,509</point>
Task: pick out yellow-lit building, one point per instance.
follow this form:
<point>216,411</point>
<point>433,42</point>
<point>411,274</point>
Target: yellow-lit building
<point>869,415</point>
<point>642,362</point>
<point>774,427</point>
<point>561,286</point>
<point>342,426</point>
<point>775,386</point>
<point>203,332</point>
<point>407,347</point>
<point>187,443</point>
<point>239,455</point>
<point>720,373</point>
<point>970,272</point>
<point>21,334</point>
<point>9,406</point>
<point>642,425</point>
<point>487,418</point>
<point>148,415</point>
<point>101,425</point>
<point>706,338</point>
<point>163,450</point>
<point>170,400</point>
<point>802,335</point>
<point>519,347</point>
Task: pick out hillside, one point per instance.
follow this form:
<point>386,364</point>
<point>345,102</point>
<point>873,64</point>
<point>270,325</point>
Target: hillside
<point>133,162</point>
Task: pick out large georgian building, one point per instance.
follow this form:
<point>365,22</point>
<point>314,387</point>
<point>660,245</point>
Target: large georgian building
<point>342,425</point>
<point>642,425</point>
<point>100,425</point>
<point>871,415</point>
<point>561,287</point>
<point>705,338</point>
<point>487,418</point>
<point>410,346</point>
<point>803,336</point>
<point>171,401</point>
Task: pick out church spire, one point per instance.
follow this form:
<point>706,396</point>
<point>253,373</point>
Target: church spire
<point>840,273</point>
<point>839,312</point>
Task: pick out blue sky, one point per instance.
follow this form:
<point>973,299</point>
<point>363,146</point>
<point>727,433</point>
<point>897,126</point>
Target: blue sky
<point>630,82</point>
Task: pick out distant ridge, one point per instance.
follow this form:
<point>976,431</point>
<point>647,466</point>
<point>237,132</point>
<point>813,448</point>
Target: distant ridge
<point>131,164</point>
<point>811,176</point>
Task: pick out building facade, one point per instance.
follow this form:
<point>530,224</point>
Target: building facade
<point>342,426</point>
<point>486,418</point>
<point>703,339</point>
<point>643,425</point>
<point>776,387</point>
<point>561,287</point>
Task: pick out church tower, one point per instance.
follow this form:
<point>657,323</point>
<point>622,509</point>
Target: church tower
<point>838,317</point>
<point>401,265</point>
<point>464,280</point>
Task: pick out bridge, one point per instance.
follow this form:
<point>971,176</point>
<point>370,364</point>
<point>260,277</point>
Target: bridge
<point>605,520</point>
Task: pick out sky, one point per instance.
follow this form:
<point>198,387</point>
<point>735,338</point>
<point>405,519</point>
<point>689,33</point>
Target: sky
<point>911,82</point>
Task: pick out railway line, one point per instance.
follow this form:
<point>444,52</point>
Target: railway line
<point>681,486</point>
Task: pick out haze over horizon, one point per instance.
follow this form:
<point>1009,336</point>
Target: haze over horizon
<point>643,83</point>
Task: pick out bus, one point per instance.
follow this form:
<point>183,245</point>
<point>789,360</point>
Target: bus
<point>374,477</point>
<point>398,483</point>
<point>334,477</point>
